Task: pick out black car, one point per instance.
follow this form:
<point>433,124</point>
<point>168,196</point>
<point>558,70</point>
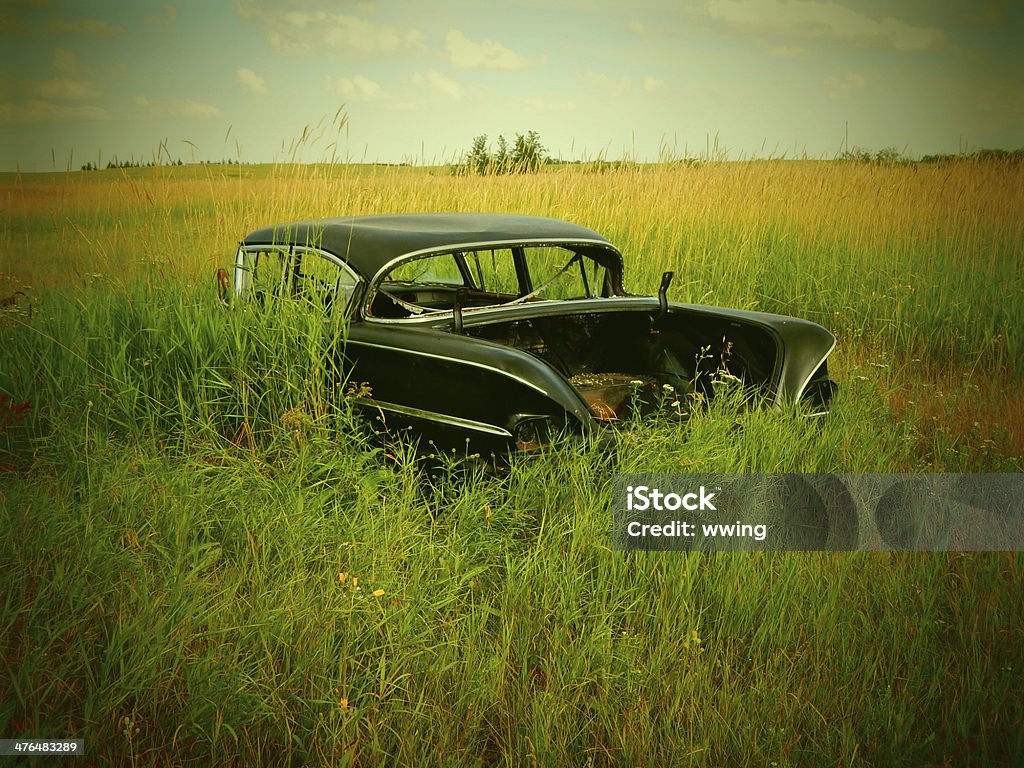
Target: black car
<point>508,329</point>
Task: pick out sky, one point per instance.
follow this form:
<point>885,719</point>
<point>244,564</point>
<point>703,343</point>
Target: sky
<point>408,81</point>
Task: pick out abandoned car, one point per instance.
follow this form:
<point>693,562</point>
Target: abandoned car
<point>501,331</point>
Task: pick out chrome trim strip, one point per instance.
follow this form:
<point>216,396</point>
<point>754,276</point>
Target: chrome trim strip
<point>455,421</point>
<point>427,318</point>
<point>432,315</point>
<point>461,361</point>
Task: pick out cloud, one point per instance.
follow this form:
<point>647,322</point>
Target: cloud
<point>821,19</point>
<point>251,81</point>
<point>637,28</point>
<point>843,87</point>
<point>487,54</point>
<point>178,108</point>
<point>316,33</point>
<point>66,62</point>
<point>86,28</point>
<point>355,88</point>
<point>40,111</point>
<point>652,84</point>
<point>440,85</point>
<point>66,89</point>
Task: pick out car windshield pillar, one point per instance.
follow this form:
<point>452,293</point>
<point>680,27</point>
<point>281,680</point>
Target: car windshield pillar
<point>522,271</point>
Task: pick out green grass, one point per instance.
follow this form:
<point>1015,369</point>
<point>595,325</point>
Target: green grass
<point>200,599</point>
<point>206,562</point>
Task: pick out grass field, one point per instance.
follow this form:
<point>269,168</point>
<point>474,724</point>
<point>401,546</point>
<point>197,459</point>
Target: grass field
<point>206,562</point>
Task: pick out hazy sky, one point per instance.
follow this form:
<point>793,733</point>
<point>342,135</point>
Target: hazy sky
<point>417,81</point>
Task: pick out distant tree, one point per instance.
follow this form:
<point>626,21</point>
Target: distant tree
<point>479,159</point>
<point>528,153</point>
<point>857,155</point>
<point>1010,156</point>
<point>888,156</point>
<point>501,157</point>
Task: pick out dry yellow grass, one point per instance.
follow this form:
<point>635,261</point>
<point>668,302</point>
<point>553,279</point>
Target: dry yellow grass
<point>904,263</point>
<point>191,217</point>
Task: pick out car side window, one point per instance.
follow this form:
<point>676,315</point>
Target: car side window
<point>427,284</point>
<point>271,273</point>
<point>494,271</point>
<point>323,283</point>
<point>299,275</point>
<point>558,273</point>
<point>346,289</point>
<point>441,269</point>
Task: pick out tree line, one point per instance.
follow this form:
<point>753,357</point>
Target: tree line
<point>525,155</point>
<point>115,163</point>
<point>892,156</point>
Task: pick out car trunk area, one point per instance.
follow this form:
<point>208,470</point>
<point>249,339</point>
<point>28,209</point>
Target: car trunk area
<point>625,363</point>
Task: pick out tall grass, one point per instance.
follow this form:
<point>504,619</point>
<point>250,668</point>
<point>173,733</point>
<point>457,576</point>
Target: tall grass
<point>207,563</point>
<point>916,268</point>
<point>926,258</point>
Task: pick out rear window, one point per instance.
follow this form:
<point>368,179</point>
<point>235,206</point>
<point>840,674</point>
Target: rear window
<point>299,275</point>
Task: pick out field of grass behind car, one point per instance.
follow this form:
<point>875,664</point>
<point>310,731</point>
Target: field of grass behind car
<point>204,556</point>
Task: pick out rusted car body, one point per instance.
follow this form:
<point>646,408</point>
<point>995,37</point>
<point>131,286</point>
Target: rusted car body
<point>504,330</point>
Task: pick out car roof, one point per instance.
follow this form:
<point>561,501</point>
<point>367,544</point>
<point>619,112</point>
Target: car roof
<point>369,243</point>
